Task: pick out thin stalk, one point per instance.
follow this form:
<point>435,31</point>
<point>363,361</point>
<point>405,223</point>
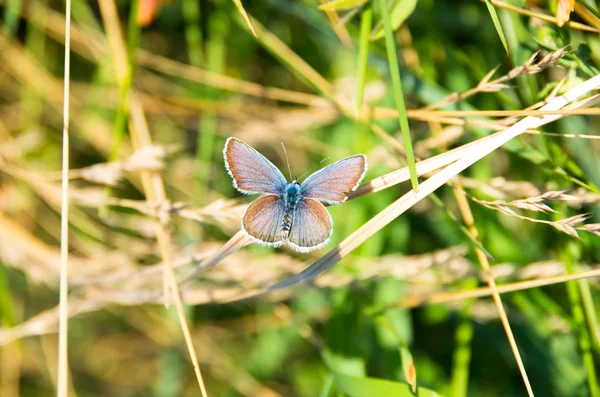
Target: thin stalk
<point>215,57</point>
<point>465,209</point>
<point>366,22</point>
<point>590,311</point>
<point>398,93</point>
<point>462,352</point>
<point>62,377</point>
<point>122,115</point>
<point>583,336</point>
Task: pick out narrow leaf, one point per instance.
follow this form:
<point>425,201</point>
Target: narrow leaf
<point>398,93</point>
<point>360,387</point>
<point>245,17</point>
<point>401,10</point>
<point>340,5</point>
<point>408,368</point>
<point>497,24</point>
<point>363,57</point>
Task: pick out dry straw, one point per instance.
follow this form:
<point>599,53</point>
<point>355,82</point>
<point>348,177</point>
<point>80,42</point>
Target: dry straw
<point>62,375</point>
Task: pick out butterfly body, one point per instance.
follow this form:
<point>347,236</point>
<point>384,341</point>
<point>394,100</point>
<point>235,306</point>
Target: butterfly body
<point>289,212</point>
<point>291,197</point>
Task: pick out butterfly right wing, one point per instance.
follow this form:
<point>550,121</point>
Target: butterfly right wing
<point>251,171</point>
<point>332,184</point>
<point>263,220</point>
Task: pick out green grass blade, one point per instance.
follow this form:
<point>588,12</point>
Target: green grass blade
<point>462,353</point>
<point>497,24</point>
<point>363,56</point>
<point>216,51</point>
<point>341,5</point>
<point>401,10</point>
<point>245,17</point>
<point>398,94</point>
<point>7,315</point>
<point>578,311</point>
<point>354,386</point>
<point>11,16</point>
<point>193,31</point>
<point>590,310</point>
<point>122,116</point>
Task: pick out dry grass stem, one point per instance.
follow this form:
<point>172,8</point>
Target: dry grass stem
<point>467,215</point>
<point>63,363</point>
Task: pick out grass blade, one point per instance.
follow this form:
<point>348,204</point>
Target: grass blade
<point>245,17</point>
<point>341,5</point>
<point>398,94</point>
<point>355,386</point>
<point>497,24</point>
<point>578,311</point>
<point>363,57</point>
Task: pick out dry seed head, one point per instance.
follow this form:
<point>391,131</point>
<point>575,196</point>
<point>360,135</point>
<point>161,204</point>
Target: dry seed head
<point>148,158</point>
<point>104,173</point>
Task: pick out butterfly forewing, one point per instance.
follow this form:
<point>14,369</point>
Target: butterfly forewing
<point>311,227</point>
<point>251,171</point>
<point>263,220</point>
<point>333,183</point>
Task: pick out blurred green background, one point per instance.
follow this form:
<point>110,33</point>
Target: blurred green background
<point>200,76</point>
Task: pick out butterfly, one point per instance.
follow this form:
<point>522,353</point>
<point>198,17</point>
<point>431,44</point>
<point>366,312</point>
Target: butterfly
<point>289,212</point>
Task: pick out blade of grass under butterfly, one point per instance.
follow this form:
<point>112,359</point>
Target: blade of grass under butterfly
<point>398,94</point>
<point>409,199</point>
<point>497,24</point>
<point>363,56</point>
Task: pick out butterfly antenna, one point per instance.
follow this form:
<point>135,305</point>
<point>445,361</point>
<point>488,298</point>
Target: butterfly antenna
<point>287,161</point>
<point>320,162</point>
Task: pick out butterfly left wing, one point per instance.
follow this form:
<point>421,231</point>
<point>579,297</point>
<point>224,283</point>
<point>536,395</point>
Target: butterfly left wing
<point>263,218</point>
<point>332,184</point>
<point>311,227</point>
<point>251,171</point>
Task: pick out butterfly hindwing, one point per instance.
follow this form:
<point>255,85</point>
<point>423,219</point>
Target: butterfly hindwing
<point>311,227</point>
<point>332,184</point>
<point>263,219</point>
<point>251,171</point>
